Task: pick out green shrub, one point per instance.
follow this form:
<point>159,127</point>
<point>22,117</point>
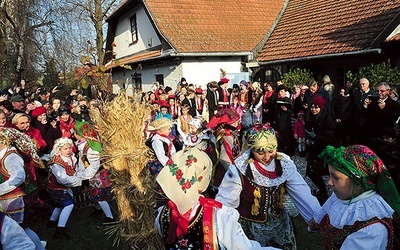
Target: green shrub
<point>376,73</point>
<point>297,76</point>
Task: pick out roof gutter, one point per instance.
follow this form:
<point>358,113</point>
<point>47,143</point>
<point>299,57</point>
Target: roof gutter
<point>326,56</point>
<point>211,54</point>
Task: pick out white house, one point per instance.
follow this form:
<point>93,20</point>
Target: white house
<point>166,40</point>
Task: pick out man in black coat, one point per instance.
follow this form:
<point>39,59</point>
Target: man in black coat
<point>212,98</point>
<point>380,112</point>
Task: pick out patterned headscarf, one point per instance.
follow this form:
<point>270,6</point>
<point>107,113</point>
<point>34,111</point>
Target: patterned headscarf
<point>185,176</point>
<point>85,130</point>
<point>13,137</point>
<point>260,138</point>
<point>365,169</point>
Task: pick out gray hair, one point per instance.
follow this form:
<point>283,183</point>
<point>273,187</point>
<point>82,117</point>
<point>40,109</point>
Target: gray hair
<point>384,84</point>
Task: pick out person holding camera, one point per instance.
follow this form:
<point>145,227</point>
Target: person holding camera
<point>380,112</point>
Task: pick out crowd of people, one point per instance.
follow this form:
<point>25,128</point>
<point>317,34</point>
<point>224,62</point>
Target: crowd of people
<point>48,147</point>
<point>223,164</point>
<point>249,134</point>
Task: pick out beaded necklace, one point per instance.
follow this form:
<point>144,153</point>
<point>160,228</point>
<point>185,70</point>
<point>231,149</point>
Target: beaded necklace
<point>263,171</point>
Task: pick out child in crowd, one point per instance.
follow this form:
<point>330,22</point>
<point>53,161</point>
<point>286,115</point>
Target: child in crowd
<point>359,213</point>
<point>300,133</point>
<point>162,146</point>
<point>89,149</point>
<point>62,176</point>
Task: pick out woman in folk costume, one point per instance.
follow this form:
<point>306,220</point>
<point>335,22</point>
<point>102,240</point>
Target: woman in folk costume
<point>255,185</point>
<point>359,213</point>
<point>89,149</point>
<point>189,220</point>
<point>226,129</point>
<point>12,176</point>
<point>63,175</point>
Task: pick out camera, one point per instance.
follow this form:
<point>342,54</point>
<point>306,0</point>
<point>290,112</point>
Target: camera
<point>84,109</point>
<point>53,116</point>
<point>373,98</point>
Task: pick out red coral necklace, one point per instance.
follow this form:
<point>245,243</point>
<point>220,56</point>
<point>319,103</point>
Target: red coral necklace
<point>263,171</point>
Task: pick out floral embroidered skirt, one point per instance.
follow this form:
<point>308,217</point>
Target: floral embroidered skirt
<point>100,186</point>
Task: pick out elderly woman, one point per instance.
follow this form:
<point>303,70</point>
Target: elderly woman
<point>358,214</point>
<point>255,186</point>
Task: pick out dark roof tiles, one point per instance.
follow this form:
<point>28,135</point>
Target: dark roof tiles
<point>318,27</point>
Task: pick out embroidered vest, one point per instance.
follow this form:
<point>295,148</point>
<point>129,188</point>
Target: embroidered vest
<point>52,180</point>
<point>334,237</point>
<point>194,237</point>
<point>270,197</point>
<point>184,124</point>
<point>19,191</point>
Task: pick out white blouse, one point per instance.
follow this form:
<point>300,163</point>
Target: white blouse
<point>297,188</point>
<point>363,207</point>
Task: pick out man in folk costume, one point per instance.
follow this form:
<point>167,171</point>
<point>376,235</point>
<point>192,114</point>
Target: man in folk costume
<point>12,176</point>
<point>245,96</point>
<point>189,220</point>
<point>223,95</point>
<point>89,149</point>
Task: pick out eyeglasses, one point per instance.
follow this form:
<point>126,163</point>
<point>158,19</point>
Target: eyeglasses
<point>380,90</point>
<point>314,107</point>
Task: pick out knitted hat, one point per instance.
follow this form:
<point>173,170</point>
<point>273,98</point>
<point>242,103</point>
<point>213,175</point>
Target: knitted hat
<point>365,169</point>
<point>85,130</point>
<point>185,176</point>
<point>319,101</point>
<point>260,138</point>
<point>38,111</point>
<point>301,112</point>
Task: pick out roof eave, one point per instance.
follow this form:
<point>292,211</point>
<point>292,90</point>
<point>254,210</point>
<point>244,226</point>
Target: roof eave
<point>325,56</point>
<point>377,42</point>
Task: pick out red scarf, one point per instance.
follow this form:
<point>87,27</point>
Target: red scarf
<point>267,95</point>
<point>67,127</point>
<point>169,144</point>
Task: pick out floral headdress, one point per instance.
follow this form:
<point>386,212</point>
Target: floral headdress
<point>196,122</point>
<point>21,141</point>
<point>59,143</point>
<point>85,130</point>
<point>260,138</point>
<point>365,169</point>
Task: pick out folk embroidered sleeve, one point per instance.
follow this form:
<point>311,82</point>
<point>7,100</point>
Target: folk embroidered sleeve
<point>14,165</point>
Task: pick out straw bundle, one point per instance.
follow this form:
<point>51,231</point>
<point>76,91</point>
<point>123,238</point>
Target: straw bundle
<point>120,126</point>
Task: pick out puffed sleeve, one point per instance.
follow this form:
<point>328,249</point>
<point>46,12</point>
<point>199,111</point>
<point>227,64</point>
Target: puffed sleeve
<point>64,179</point>
<point>158,148</point>
<point>301,195</point>
<point>230,188</point>
<point>229,232</point>
<point>15,168</point>
<point>94,165</point>
<point>14,237</point>
<point>374,236</point>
